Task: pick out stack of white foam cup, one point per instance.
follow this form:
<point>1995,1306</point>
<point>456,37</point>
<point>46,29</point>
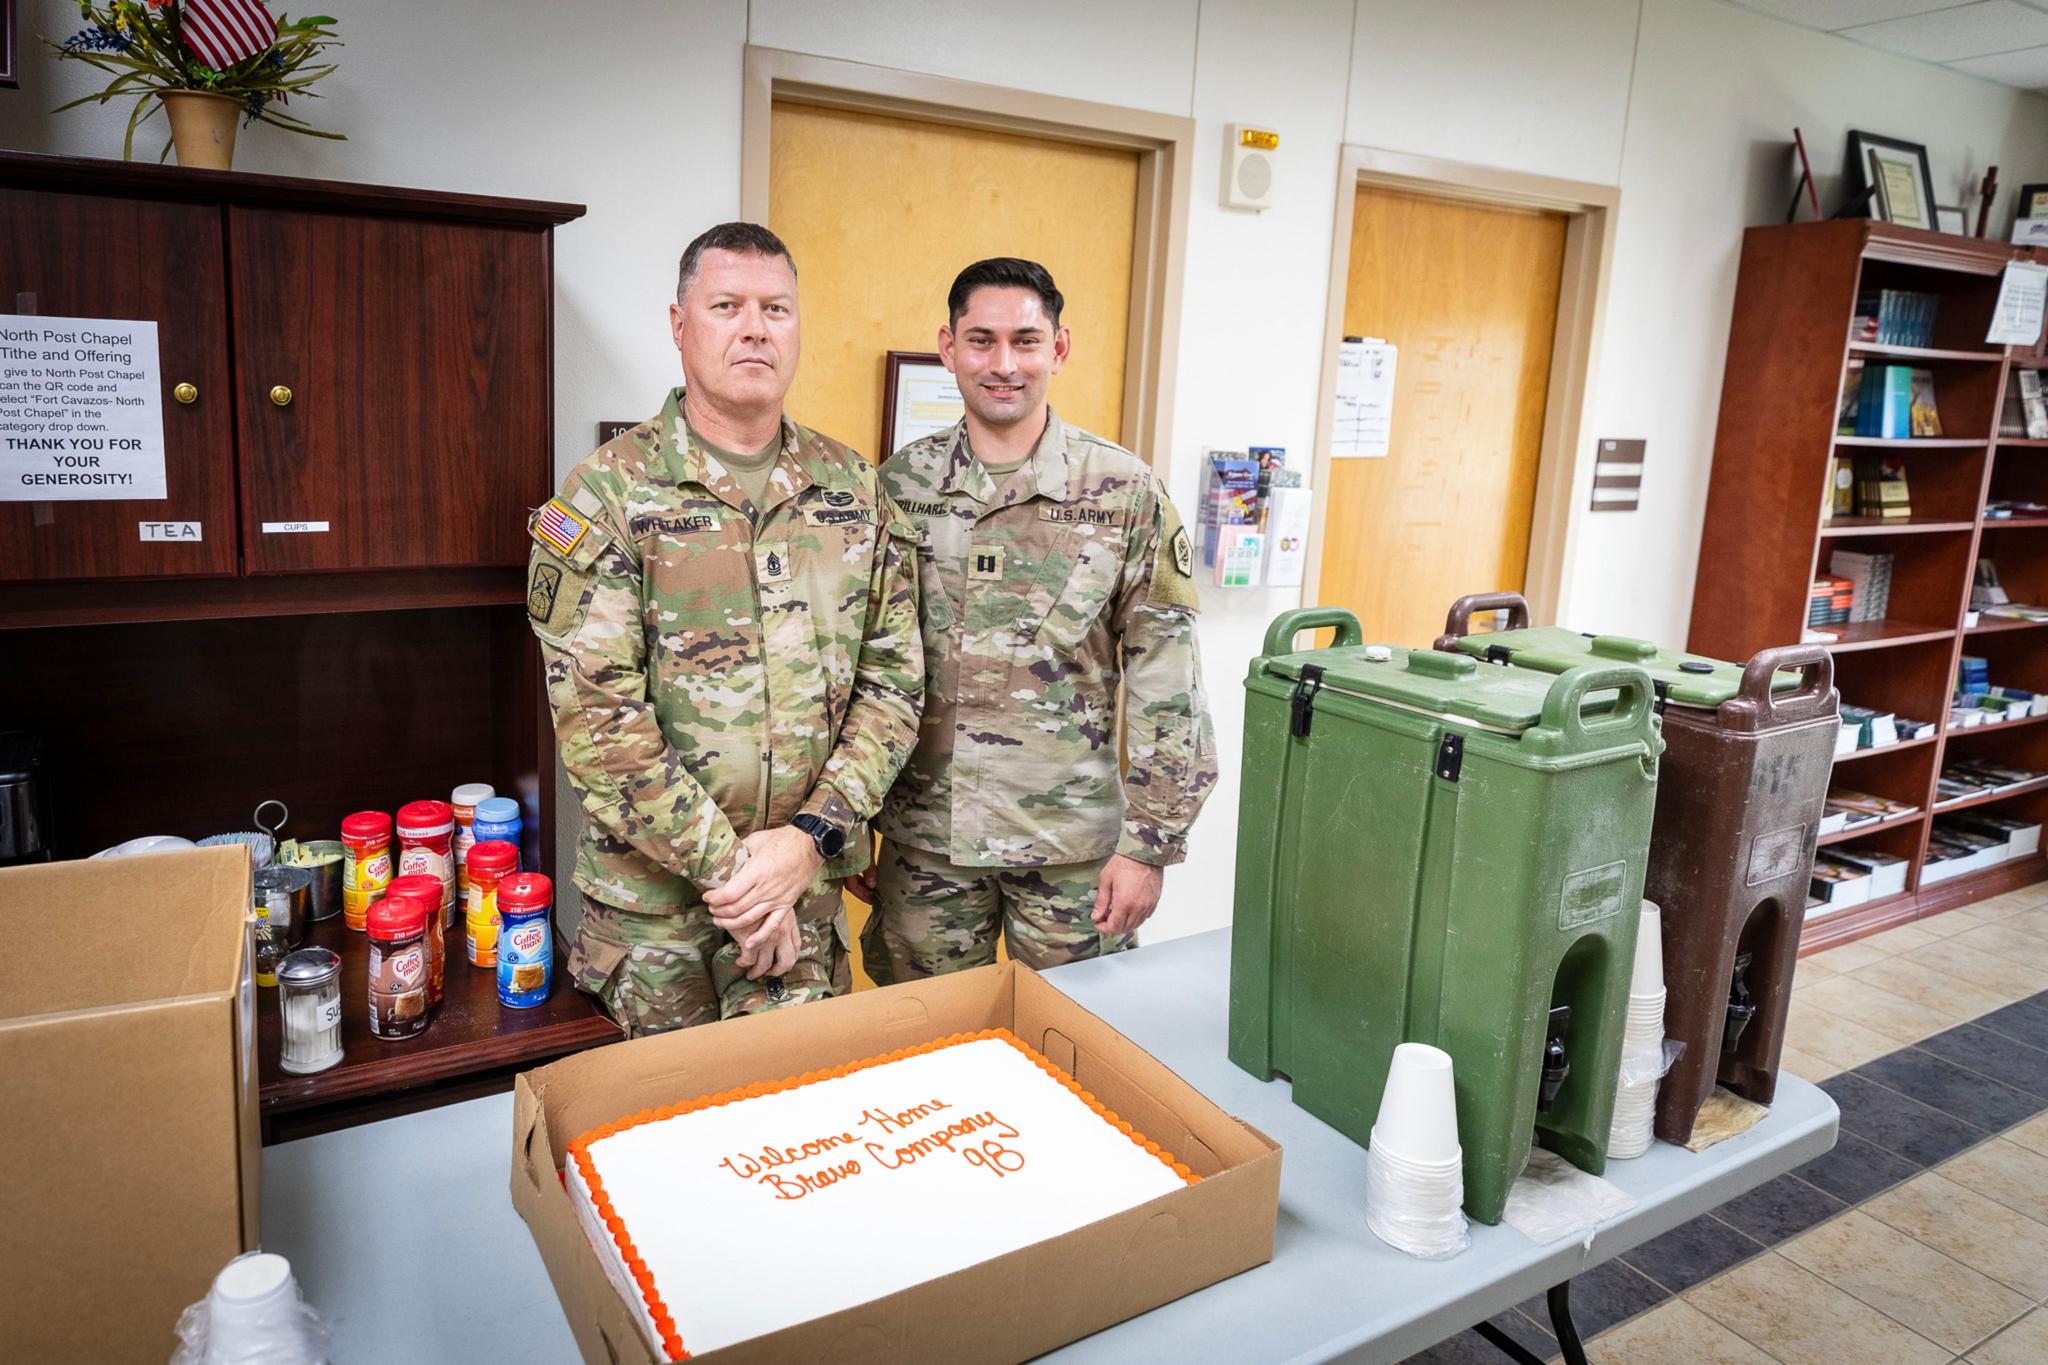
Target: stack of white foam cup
<point>1642,1043</point>
<point>254,1314</point>
<point>1415,1168</point>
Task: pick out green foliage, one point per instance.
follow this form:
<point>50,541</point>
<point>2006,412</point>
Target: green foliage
<point>137,43</point>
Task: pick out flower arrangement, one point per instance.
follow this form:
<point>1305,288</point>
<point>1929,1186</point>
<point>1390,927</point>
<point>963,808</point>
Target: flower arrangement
<point>141,44</point>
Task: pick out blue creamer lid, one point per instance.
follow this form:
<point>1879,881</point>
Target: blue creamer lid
<point>498,810</point>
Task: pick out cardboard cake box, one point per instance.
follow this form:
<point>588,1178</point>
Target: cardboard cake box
<point>998,1310</point>
<point>128,1040</point>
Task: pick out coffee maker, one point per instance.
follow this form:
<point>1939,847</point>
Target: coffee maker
<point>26,835</point>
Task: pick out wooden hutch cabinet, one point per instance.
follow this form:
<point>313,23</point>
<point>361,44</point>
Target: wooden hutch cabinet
<point>358,412</point>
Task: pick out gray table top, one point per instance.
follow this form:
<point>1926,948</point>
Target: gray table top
<point>403,1232</point>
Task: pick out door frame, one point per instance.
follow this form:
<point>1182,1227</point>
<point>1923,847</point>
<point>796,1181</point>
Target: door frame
<point>1590,211</point>
<point>1163,142</point>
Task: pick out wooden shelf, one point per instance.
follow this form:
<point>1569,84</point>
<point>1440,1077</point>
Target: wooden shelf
<point>1912,442</point>
<point>1891,526</point>
<point>1923,352</point>
<point>1880,634</point>
<point>1968,802</point>
<point>1843,836</point>
<point>1762,542</point>
<point>1995,625</point>
<point>1885,749</point>
<point>1997,727</point>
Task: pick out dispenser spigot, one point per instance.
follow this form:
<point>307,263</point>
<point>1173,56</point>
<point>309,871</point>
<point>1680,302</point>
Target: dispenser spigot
<point>1556,1064</point>
<point>1741,1008</point>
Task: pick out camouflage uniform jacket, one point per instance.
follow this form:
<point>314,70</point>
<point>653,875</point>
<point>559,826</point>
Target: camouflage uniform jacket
<point>1039,597</point>
<point>711,677</point>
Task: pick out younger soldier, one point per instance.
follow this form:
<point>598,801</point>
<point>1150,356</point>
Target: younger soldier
<point>727,608</point>
<point>1053,568</point>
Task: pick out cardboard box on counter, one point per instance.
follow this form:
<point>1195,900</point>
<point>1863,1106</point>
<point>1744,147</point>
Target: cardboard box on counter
<point>128,1043</point>
<point>1008,1308</point>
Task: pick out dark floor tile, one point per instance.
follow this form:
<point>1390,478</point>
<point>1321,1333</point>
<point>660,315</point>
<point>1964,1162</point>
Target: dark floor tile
<point>1779,1208</point>
<point>1856,1170</point>
<point>1975,1099</point>
<point>1609,1293</point>
<point>1692,1253</point>
<point>1469,1348</point>
<point>1994,1055</point>
<point>2025,1022</point>
<point>1879,1114</point>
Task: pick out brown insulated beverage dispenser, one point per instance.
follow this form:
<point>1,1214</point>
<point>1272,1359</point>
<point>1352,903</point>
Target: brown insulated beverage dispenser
<point>1748,751</point>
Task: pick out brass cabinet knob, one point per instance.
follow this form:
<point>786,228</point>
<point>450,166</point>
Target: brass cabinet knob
<point>281,396</point>
<point>186,393</point>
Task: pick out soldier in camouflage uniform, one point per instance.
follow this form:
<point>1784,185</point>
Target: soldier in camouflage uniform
<point>734,666</point>
<point>1047,581</point>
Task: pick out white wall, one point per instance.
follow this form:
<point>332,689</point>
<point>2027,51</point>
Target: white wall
<point>633,109</point>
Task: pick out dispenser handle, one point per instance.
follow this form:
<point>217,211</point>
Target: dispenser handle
<point>1458,620</point>
<point>1816,693</point>
<point>1564,705</point>
<point>1280,635</point>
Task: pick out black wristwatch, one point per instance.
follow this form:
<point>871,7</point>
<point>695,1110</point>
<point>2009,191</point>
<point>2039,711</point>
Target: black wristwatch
<point>829,838</point>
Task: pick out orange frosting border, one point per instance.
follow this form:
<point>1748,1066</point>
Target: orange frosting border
<point>579,1149</point>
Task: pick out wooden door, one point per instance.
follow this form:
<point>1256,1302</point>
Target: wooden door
<point>877,249</point>
<point>1468,292</point>
<point>415,429</point>
<point>85,256</point>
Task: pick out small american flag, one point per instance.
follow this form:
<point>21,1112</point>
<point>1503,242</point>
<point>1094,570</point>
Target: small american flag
<point>223,32</point>
<point>560,527</point>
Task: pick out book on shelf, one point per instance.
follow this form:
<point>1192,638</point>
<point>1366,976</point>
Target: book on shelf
<point>2012,418</point>
<point>1863,808</point>
<point>1841,885</point>
<point>1841,486</point>
<point>1881,487</point>
<point>1922,413</point>
<point>2005,509</point>
<point>1870,582</point>
<point>1829,600</point>
<point>2034,404</point>
<point>1895,317</point>
<point>1973,674</point>
<point>1887,870</point>
<point>2021,836</point>
<point>1884,408</point>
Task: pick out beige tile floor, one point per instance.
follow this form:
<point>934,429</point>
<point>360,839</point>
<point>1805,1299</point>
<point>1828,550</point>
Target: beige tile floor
<point>1951,1266</point>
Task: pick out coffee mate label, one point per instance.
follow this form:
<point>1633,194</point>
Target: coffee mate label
<point>527,939</point>
<point>408,967</point>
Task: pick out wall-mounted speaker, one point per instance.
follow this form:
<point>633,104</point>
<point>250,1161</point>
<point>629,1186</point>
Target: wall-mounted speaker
<point>1248,156</point>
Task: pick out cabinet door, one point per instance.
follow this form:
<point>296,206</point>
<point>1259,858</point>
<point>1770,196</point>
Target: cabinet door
<point>85,256</point>
<point>392,390</point>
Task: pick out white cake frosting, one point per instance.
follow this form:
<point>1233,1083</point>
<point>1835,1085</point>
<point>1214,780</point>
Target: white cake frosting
<point>747,1215</point>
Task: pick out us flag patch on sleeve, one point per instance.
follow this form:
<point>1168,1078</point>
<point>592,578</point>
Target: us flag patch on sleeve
<point>558,526</point>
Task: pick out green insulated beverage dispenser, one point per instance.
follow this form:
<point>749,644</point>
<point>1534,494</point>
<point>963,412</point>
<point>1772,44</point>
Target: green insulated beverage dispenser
<point>1751,747</point>
<point>1434,850</point>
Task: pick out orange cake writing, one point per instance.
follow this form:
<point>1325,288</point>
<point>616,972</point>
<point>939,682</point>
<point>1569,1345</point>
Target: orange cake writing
<point>732,1215</point>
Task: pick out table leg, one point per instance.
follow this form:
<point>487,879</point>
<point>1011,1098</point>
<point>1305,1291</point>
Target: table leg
<point>1560,1320</point>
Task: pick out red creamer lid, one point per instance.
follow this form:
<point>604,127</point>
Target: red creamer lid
<point>396,917</point>
<point>524,891</point>
<point>493,858</point>
<point>425,817</point>
<point>367,826</point>
<point>416,886</point>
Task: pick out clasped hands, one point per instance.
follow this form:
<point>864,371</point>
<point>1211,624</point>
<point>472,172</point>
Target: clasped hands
<point>757,904</point>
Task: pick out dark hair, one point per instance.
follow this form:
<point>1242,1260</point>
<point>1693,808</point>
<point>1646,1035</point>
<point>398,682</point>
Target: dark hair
<point>1004,272</point>
<point>746,239</point>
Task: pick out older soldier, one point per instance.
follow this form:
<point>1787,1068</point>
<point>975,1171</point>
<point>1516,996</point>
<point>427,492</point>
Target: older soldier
<point>726,603</point>
<point>1053,568</point>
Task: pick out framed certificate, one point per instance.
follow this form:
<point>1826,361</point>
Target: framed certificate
<point>1899,174</point>
<point>919,398</point>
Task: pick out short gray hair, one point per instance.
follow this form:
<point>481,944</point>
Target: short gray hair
<point>745,239</point>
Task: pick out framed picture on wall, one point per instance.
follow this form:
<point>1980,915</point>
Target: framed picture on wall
<point>919,398</point>
<point>1900,174</point>
<point>2033,202</point>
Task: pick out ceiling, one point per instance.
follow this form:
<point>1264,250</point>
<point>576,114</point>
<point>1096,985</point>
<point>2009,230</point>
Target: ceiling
<point>2000,40</point>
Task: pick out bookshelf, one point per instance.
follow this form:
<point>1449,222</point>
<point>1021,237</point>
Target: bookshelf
<point>1767,534</point>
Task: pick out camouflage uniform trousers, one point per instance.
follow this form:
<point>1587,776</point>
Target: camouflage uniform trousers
<point>674,969</point>
<point>933,917</point>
